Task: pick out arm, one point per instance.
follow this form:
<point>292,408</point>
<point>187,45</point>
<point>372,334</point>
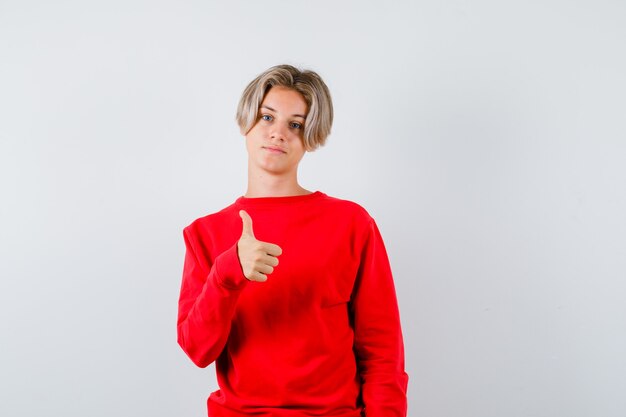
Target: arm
<point>378,342</point>
<point>209,293</point>
<point>208,297</point>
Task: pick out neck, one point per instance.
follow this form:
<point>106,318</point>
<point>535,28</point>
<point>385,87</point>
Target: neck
<point>264,184</point>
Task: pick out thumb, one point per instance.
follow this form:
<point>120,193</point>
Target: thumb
<point>247,223</point>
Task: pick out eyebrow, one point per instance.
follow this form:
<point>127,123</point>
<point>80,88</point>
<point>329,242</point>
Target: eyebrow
<point>271,109</point>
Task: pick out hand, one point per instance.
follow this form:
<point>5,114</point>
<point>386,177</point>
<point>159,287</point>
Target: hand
<point>257,258</point>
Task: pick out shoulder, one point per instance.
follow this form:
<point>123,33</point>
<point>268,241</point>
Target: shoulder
<point>354,220</point>
<point>348,208</point>
<point>211,221</point>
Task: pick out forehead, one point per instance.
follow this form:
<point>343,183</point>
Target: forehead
<point>285,100</point>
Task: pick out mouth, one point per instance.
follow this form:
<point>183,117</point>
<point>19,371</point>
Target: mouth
<point>273,149</point>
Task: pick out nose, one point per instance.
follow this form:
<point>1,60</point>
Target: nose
<point>278,132</point>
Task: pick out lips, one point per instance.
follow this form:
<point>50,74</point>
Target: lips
<point>274,149</point>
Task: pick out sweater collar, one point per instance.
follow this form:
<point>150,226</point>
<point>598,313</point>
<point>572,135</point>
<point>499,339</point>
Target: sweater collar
<point>278,201</point>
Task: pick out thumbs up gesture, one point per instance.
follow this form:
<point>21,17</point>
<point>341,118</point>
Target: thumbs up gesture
<point>257,258</point>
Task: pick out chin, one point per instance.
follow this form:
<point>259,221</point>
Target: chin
<point>275,169</point>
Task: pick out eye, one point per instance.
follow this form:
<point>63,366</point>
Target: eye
<point>295,125</point>
<point>267,117</point>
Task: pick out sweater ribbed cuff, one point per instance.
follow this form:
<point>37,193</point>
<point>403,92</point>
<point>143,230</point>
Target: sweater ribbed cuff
<point>228,270</point>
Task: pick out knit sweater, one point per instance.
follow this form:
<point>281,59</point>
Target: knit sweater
<point>321,337</point>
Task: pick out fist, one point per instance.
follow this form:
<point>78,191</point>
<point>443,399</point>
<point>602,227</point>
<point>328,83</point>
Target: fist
<point>258,259</point>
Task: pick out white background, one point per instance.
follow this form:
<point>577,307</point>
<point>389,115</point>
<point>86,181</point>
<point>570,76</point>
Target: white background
<point>485,137</point>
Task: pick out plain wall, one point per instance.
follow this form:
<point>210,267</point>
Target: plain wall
<point>485,137</point>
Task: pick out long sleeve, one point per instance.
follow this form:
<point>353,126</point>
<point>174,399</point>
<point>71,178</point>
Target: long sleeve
<point>378,336</point>
<point>208,297</point>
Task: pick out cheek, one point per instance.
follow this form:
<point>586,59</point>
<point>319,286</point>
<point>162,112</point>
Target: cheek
<point>253,135</point>
<point>298,141</point>
<point>249,143</point>
<point>301,151</point>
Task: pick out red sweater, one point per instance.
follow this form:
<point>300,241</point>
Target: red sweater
<point>321,337</point>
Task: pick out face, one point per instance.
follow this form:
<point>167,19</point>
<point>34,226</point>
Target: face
<point>275,142</point>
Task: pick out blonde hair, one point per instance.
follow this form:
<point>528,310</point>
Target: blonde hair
<point>319,118</point>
